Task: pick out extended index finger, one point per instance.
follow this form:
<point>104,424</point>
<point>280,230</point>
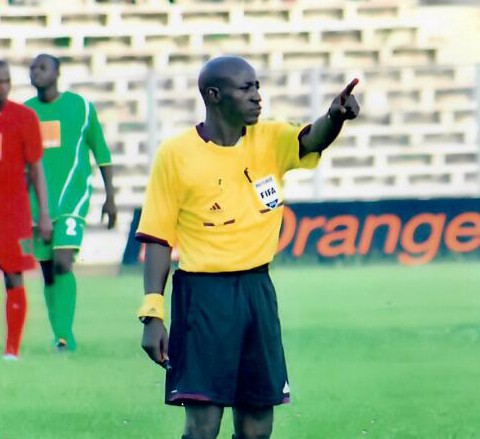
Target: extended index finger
<point>347,91</point>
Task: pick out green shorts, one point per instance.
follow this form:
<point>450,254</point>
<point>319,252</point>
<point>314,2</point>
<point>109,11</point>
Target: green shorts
<point>225,341</point>
<point>67,233</point>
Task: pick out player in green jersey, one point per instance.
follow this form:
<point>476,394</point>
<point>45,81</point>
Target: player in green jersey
<point>70,132</point>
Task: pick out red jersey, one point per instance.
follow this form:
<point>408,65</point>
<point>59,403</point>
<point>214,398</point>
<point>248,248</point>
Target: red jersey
<point>20,144</point>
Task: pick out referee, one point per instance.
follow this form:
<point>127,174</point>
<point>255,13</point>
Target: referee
<point>214,191</point>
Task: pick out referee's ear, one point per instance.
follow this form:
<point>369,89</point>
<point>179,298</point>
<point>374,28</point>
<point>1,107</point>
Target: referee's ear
<point>213,95</point>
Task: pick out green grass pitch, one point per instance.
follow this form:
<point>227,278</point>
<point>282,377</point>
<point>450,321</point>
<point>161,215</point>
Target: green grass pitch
<point>383,352</point>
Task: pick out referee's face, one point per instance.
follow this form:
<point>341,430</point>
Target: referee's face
<point>240,98</point>
<point>5,84</point>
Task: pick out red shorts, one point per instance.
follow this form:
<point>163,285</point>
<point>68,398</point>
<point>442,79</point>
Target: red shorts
<point>16,255</point>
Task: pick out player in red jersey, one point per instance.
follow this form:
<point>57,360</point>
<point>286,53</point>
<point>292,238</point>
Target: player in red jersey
<point>20,153</point>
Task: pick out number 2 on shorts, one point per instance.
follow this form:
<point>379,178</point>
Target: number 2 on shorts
<point>71,226</point>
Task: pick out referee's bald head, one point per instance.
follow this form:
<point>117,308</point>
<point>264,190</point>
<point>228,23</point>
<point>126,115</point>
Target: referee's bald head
<point>218,71</point>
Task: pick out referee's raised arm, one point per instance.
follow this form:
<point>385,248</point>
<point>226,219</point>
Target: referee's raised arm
<point>327,127</point>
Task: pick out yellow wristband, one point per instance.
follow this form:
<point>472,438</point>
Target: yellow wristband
<point>153,306</point>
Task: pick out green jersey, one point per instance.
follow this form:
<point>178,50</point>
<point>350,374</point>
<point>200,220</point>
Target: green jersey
<point>70,130</point>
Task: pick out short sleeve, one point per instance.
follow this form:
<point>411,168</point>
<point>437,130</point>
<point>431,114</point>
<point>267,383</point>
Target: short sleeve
<point>96,139</point>
<point>32,141</point>
<point>158,220</point>
<point>287,149</point>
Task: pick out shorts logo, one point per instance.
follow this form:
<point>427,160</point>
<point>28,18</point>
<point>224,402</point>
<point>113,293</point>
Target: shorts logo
<point>71,226</point>
<point>268,191</point>
<point>286,388</point>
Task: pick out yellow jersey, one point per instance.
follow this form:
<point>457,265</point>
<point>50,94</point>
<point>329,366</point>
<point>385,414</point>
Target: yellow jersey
<point>222,205</point>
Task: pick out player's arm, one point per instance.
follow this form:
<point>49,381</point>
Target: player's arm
<point>156,270</point>
<point>33,152</point>
<point>36,177</point>
<point>109,207</point>
<point>327,127</point>
<point>103,157</point>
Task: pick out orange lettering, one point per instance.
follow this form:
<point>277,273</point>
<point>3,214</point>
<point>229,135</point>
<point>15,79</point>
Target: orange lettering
<point>339,242</point>
<point>465,225</point>
<point>307,225</point>
<point>426,249</point>
<point>372,223</point>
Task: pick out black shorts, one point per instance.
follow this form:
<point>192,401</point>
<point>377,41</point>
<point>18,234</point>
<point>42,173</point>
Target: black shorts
<point>225,343</point>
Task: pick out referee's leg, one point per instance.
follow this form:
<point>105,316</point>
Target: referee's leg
<point>202,421</point>
<point>253,422</point>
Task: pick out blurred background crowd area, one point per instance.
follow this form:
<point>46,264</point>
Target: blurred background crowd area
<point>137,60</point>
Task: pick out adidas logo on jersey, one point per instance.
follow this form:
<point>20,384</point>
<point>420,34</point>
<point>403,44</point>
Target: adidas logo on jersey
<point>215,208</point>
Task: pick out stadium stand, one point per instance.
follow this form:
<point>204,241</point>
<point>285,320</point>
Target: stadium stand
<point>138,61</point>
